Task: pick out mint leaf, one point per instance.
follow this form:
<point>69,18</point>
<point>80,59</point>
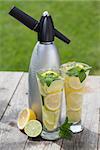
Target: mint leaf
<point>82,75</point>
<point>78,72</point>
<point>48,78</point>
<point>74,71</point>
<point>65,131</point>
<point>48,81</point>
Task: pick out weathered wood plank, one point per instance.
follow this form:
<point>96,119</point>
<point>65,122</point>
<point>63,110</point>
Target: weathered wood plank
<point>43,145</point>
<point>36,144</point>
<point>98,146</point>
<point>8,84</point>
<point>14,139</point>
<point>53,145</point>
<point>93,84</point>
<point>11,138</point>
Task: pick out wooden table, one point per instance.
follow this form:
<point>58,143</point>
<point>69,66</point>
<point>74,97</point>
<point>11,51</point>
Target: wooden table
<point>14,97</point>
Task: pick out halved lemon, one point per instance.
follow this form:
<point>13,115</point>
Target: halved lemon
<point>55,86</point>
<point>33,128</point>
<point>25,116</point>
<point>74,101</point>
<point>75,83</point>
<point>52,101</point>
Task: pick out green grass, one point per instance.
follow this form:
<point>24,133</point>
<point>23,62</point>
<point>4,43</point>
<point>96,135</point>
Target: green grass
<point>79,20</point>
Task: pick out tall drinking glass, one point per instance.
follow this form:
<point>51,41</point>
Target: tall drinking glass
<point>75,75</point>
<point>50,86</point>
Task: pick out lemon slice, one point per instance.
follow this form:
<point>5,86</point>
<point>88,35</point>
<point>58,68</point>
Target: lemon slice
<point>33,128</point>
<point>74,101</point>
<point>50,116</point>
<point>48,126</point>
<point>75,83</point>
<point>74,116</point>
<point>52,101</point>
<point>80,65</point>
<point>49,72</point>
<point>45,88</point>
<point>55,86</point>
<point>24,116</point>
<point>41,88</point>
<point>50,119</point>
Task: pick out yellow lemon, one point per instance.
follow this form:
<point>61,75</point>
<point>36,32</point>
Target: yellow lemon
<point>75,83</point>
<point>74,101</point>
<point>55,86</point>
<point>51,116</point>
<point>74,116</point>
<point>25,116</point>
<point>52,101</point>
<point>41,88</point>
<point>48,126</point>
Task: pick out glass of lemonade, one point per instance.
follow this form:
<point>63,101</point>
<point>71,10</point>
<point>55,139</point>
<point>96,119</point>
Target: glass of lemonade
<point>75,75</point>
<point>51,87</point>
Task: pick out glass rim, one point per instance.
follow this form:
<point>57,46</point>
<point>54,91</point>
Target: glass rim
<point>63,68</point>
<point>48,69</point>
<point>57,70</point>
<point>74,62</point>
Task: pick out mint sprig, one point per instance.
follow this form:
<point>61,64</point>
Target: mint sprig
<point>48,79</point>
<point>65,131</point>
<point>78,72</point>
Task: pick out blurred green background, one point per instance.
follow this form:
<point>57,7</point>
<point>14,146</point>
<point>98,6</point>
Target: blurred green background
<point>79,20</point>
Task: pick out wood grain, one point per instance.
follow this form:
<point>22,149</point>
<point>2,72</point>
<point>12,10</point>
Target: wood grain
<point>8,84</point>
<point>11,138</point>
<point>14,139</point>
<point>43,145</point>
<point>98,142</point>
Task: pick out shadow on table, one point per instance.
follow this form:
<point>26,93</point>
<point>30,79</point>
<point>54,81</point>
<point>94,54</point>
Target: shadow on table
<point>84,140</point>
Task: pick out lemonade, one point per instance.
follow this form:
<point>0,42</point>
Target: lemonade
<point>50,86</point>
<point>75,75</point>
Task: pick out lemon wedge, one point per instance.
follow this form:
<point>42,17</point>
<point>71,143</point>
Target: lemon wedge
<point>25,116</point>
<point>52,101</point>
